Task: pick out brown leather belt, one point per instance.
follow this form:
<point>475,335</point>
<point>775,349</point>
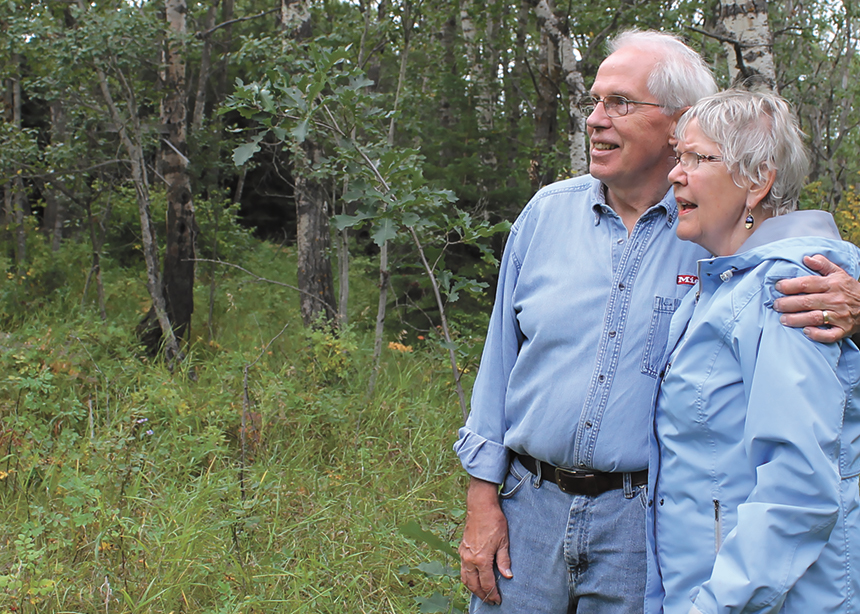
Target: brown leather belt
<point>591,483</point>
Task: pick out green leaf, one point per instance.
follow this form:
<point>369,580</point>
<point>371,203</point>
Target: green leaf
<point>295,98</point>
<point>433,604</point>
<point>280,133</point>
<point>437,569</point>
<point>300,131</point>
<point>410,219</point>
<point>347,221</point>
<point>413,531</point>
<point>385,231</point>
<point>356,83</point>
<point>355,191</point>
<point>268,101</point>
<point>244,152</point>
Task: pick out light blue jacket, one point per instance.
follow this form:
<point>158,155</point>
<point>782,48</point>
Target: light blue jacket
<point>754,489</point>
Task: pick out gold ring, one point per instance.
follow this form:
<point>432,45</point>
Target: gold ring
<point>825,316</point>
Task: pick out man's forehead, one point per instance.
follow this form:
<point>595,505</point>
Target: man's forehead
<point>625,72</point>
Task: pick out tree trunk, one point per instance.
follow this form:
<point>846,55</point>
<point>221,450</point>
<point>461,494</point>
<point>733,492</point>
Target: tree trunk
<point>132,144</point>
<point>181,226</point>
<point>343,270</point>
<point>447,117</point>
<point>313,244</point>
<point>56,203</point>
<point>483,62</point>
<point>558,33</point>
<point>16,195</point>
<point>97,240</point>
<point>296,18</point>
<point>205,67</point>
<point>407,23</point>
<point>749,44</point>
<point>542,169</point>
<point>226,44</point>
<point>313,238</point>
<point>514,86</point>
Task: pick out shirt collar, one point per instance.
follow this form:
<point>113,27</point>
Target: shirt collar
<point>667,205</point>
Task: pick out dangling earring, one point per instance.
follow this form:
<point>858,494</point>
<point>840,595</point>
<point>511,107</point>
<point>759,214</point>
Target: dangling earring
<point>748,223</point>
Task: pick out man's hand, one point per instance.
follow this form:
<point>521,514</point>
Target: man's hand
<point>836,292</point>
<point>485,541</point>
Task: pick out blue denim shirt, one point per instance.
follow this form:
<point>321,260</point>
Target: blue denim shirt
<point>577,334</point>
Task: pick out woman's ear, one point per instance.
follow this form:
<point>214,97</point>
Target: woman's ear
<point>757,192</point>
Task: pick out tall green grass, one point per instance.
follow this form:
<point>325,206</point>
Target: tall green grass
<point>128,488</point>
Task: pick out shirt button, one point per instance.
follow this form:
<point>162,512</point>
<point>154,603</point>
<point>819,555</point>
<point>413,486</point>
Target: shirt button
<point>588,424</point>
<point>612,333</point>
<point>600,378</point>
<point>620,241</point>
<point>621,286</point>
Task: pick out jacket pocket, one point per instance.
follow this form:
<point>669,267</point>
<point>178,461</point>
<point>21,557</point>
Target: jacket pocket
<point>658,333</point>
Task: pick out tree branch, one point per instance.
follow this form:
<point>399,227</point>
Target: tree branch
<point>205,33</point>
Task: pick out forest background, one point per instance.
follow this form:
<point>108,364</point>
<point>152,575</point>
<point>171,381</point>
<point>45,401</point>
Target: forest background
<point>249,251</point>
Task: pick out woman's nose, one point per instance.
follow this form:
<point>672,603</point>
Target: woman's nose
<point>677,174</point>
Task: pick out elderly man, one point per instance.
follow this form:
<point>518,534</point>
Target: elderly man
<point>591,275</point>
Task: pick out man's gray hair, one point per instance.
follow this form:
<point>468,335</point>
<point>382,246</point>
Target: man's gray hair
<point>756,133</point>
<point>680,78</point>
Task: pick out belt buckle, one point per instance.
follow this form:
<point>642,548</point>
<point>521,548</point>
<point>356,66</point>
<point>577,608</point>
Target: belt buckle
<point>566,478</point>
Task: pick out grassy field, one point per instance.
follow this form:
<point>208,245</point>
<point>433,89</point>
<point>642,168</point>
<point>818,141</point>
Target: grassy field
<point>127,488</point>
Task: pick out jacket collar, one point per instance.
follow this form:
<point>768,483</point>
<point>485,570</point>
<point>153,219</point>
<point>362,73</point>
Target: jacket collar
<point>809,223</point>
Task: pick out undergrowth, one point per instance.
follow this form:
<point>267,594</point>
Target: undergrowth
<point>127,488</point>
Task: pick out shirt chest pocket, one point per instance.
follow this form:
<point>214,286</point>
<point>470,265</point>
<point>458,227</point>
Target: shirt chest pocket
<point>658,332</point>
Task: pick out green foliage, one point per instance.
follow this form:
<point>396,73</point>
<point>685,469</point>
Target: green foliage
<point>321,96</point>
<point>125,484</point>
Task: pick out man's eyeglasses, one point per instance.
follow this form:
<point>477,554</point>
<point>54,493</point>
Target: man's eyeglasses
<point>690,159</point>
<point>615,106</point>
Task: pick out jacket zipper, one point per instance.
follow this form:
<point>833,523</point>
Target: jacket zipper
<point>718,525</point>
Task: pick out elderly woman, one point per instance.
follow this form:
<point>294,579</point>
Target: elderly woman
<point>753,471</point>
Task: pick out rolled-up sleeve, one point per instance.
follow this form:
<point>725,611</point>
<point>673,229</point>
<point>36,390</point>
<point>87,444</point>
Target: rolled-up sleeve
<point>481,443</point>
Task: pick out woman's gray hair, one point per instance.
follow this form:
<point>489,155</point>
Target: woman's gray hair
<point>756,133</point>
<point>680,78</point>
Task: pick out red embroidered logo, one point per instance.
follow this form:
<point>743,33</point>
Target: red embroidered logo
<point>687,280</point>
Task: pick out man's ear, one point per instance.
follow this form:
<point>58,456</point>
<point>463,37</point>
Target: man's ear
<point>757,192</point>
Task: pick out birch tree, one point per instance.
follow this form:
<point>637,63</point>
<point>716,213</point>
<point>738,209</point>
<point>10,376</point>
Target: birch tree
<point>743,28</point>
<point>559,34</point>
<point>313,236</point>
<point>131,136</point>
<point>181,225</point>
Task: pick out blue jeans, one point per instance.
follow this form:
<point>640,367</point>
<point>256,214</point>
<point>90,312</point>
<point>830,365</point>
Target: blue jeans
<point>571,553</point>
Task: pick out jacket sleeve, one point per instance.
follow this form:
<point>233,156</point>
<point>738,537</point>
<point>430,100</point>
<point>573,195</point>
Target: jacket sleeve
<point>480,446</point>
<point>795,405</point>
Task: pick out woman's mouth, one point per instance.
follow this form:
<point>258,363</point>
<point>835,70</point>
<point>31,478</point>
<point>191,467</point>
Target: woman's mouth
<point>685,207</point>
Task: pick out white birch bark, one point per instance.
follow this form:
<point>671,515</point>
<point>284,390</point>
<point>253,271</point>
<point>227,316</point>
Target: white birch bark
<point>749,43</point>
<point>552,26</point>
